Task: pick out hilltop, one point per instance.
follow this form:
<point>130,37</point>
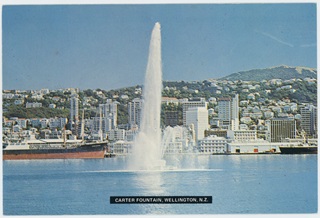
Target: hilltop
<point>302,88</point>
<point>280,72</point>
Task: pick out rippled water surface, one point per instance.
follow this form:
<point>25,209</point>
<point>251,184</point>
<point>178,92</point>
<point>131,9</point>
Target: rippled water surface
<point>237,183</point>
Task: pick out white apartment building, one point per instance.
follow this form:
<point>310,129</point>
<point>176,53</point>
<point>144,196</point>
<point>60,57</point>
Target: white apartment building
<point>177,139</point>
<point>134,111</point>
<point>174,147</point>
<point>213,145</point>
<point>194,103</point>
<point>116,135</point>
<point>130,135</point>
<point>121,147</point>
<point>110,110</point>
<point>198,117</point>
<point>242,135</point>
<point>74,112</point>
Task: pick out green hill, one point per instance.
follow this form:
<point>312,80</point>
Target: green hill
<point>280,72</point>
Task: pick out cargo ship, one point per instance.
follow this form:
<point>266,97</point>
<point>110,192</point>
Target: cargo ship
<point>299,149</point>
<point>54,149</point>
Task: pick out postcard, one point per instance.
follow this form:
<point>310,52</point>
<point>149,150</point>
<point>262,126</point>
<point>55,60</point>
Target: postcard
<point>159,109</point>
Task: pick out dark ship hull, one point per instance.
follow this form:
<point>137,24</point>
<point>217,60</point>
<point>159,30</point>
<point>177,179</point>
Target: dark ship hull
<point>299,150</point>
<point>94,150</point>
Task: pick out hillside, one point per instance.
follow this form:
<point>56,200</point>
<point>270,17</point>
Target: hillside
<point>280,72</point>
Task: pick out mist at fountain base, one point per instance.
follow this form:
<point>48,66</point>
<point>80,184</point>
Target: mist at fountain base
<point>151,143</point>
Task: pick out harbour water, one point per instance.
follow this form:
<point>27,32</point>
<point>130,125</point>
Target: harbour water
<point>238,184</point>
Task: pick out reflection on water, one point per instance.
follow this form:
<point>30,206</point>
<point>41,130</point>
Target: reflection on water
<point>187,161</point>
<point>238,184</point>
<point>150,182</point>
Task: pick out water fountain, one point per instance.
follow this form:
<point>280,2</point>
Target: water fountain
<point>146,153</point>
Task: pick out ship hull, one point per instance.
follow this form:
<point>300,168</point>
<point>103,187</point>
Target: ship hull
<point>299,150</point>
<point>82,152</point>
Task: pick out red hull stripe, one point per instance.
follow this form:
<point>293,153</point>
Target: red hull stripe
<point>75,155</point>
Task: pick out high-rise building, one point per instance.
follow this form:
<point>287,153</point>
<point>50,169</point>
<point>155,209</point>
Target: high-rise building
<point>134,111</point>
<point>74,113</point>
<point>281,129</point>
<point>309,120</point>
<point>171,118</point>
<point>228,112</point>
<point>110,110</point>
<point>193,103</point>
<point>198,116</point>
<point>104,125</point>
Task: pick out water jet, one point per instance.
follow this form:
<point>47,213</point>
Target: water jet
<point>146,152</point>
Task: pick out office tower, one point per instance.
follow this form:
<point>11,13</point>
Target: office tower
<point>228,112</point>
<point>309,120</point>
<point>193,103</point>
<point>104,125</point>
<point>171,118</point>
<point>74,113</point>
<point>282,128</point>
<point>199,118</point>
<point>134,111</point>
<point>110,111</point>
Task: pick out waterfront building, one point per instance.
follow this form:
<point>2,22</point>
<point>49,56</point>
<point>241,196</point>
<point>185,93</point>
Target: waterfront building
<point>134,111</point>
<point>281,128</point>
<point>217,132</point>
<point>252,147</point>
<point>242,135</point>
<point>175,147</point>
<point>193,103</point>
<point>120,147</point>
<point>198,116</point>
<point>228,112</point>
<point>116,134</point>
<point>177,139</point>
<point>131,134</point>
<point>213,145</point>
<point>309,120</point>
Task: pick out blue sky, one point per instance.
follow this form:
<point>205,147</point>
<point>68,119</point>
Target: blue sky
<point>106,46</point>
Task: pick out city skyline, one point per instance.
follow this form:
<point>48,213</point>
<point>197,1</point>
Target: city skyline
<point>106,46</point>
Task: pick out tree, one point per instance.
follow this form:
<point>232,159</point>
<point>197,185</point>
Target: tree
<point>88,92</point>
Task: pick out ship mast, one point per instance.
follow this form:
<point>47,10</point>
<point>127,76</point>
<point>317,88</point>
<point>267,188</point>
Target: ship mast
<point>64,136</point>
<point>100,125</point>
<point>82,126</point>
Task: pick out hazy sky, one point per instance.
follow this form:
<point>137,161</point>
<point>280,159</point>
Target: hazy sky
<point>106,46</point>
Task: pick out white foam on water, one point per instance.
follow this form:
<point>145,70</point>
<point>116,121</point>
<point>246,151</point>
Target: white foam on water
<point>154,171</point>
